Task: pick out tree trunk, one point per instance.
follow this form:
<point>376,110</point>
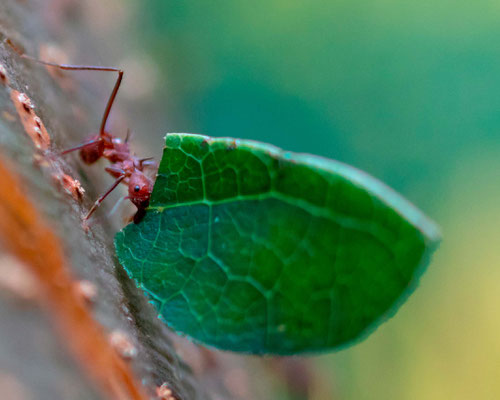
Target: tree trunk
<point>58,340</point>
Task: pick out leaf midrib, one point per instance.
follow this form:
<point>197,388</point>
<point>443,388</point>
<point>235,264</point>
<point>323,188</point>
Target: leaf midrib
<point>365,225</point>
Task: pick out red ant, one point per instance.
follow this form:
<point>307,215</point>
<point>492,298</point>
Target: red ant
<point>125,167</point>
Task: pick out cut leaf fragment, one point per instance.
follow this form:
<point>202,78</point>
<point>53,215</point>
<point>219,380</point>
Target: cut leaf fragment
<point>249,248</point>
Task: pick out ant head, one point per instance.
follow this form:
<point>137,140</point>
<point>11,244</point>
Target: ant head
<point>139,189</point>
<point>93,150</point>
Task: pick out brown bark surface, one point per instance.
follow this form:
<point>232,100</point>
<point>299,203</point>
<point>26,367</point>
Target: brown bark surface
<point>54,344</point>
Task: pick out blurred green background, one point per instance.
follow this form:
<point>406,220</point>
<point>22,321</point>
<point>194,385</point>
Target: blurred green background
<point>407,91</point>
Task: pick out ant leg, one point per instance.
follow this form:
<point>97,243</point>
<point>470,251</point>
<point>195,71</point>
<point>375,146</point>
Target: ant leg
<point>115,207</point>
<point>101,198</point>
<point>80,146</point>
<point>70,67</point>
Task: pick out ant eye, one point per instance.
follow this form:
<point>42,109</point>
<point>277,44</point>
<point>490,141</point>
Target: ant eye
<point>136,188</point>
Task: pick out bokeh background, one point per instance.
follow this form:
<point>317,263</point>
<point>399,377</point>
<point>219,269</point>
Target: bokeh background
<point>407,91</point>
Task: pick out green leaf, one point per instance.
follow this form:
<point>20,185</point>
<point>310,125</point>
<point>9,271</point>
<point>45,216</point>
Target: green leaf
<point>249,248</point>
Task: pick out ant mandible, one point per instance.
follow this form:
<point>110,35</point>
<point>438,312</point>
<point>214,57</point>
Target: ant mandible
<point>125,167</point>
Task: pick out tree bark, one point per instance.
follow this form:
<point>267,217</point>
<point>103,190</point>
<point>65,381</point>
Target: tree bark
<point>44,346</point>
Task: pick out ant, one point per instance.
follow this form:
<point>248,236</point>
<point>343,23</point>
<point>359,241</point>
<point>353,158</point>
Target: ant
<point>125,167</point>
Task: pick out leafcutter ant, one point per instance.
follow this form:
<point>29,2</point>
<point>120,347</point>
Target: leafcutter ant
<point>125,167</point>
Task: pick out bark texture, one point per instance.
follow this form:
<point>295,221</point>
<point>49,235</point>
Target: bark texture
<point>38,357</point>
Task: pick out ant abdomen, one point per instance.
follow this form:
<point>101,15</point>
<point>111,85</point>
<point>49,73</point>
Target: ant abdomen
<point>93,150</point>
